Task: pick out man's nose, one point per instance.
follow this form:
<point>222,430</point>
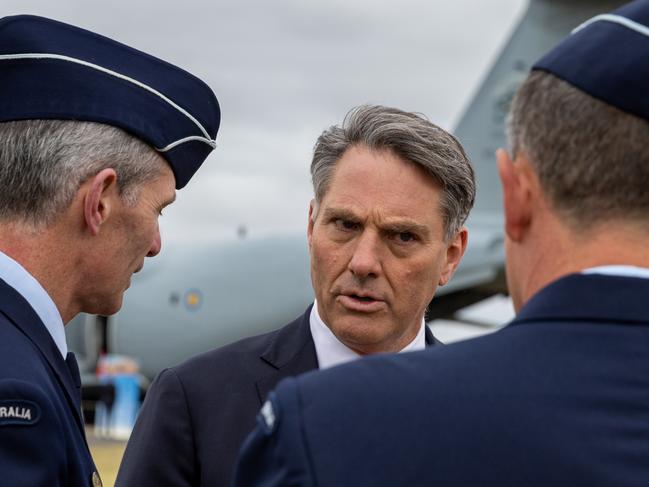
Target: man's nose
<point>365,261</point>
<point>156,245</point>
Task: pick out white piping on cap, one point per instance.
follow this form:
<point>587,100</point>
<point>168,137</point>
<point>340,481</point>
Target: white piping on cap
<point>187,139</point>
<point>617,19</point>
<point>207,139</point>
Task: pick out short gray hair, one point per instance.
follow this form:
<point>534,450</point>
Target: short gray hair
<point>591,158</point>
<point>43,163</point>
<point>411,137</point>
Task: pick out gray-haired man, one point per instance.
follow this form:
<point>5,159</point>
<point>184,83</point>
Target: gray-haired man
<point>392,192</point>
<point>94,139</point>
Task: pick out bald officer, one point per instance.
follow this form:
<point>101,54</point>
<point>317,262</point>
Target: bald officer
<point>561,395</point>
<point>94,139</point>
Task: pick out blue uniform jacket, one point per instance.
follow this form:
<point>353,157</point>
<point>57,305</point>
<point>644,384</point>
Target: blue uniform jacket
<point>42,440</point>
<point>558,397</point>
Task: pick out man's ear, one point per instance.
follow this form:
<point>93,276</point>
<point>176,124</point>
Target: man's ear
<point>100,193</point>
<point>454,252</point>
<point>518,194</point>
<point>313,210</point>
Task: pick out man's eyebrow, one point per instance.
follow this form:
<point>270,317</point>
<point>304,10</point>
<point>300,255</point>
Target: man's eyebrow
<point>330,213</point>
<point>406,226</point>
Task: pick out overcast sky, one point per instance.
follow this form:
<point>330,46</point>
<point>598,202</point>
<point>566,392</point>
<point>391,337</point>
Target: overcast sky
<point>283,70</point>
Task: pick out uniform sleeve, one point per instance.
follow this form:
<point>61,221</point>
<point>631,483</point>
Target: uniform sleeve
<point>32,450</point>
<point>275,453</point>
<point>160,451</point>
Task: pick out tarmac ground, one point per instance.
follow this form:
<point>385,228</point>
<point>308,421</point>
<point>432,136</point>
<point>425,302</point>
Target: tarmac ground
<point>107,455</point>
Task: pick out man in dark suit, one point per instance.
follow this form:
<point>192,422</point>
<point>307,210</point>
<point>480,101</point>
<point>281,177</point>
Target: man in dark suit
<point>558,397</point>
<point>93,140</point>
<point>385,228</point>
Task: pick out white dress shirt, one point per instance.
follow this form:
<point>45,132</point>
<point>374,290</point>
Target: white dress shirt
<point>619,270</point>
<point>331,351</point>
<point>29,288</point>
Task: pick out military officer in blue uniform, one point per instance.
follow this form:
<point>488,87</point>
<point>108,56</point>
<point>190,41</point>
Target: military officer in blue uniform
<point>95,137</point>
<point>558,397</point>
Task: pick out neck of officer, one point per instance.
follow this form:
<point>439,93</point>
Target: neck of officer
<point>554,247</point>
<point>49,256</point>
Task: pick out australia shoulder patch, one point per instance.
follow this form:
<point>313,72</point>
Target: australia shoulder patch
<point>19,412</point>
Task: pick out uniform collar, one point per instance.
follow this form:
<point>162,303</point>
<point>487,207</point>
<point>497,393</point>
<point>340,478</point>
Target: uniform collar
<point>331,351</point>
<point>619,270</point>
<point>590,297</point>
<point>16,276</point>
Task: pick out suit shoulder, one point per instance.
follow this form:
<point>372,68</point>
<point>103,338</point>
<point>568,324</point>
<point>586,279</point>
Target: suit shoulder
<point>224,356</point>
<point>238,359</point>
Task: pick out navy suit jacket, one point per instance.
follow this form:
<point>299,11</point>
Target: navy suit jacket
<point>196,415</point>
<point>558,397</point>
<point>42,440</point>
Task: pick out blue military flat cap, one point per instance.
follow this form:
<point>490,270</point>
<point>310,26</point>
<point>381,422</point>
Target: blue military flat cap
<point>608,58</point>
<point>52,70</point>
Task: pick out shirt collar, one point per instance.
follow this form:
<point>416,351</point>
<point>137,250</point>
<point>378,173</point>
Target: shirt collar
<point>619,270</point>
<point>16,276</point>
<point>331,351</point>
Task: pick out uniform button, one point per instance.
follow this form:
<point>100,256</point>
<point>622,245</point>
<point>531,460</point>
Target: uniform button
<point>96,481</point>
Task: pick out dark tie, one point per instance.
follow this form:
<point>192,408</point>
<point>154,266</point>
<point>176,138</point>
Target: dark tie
<point>73,367</point>
<point>71,362</point>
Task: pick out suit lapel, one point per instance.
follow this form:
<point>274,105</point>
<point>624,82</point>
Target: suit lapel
<point>22,315</point>
<point>291,352</point>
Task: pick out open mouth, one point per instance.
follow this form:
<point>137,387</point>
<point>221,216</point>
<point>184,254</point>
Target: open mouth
<point>364,299</point>
<point>357,303</point>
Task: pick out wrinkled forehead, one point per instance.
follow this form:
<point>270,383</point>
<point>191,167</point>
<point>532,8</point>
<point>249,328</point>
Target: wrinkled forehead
<point>366,181</point>
<point>365,163</point>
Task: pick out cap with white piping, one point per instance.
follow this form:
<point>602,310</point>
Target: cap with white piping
<point>53,70</point>
<point>608,58</point>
